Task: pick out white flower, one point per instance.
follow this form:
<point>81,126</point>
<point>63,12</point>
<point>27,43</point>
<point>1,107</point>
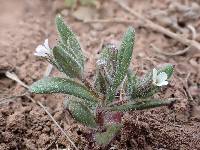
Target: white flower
<point>101,62</point>
<point>159,79</point>
<point>43,50</point>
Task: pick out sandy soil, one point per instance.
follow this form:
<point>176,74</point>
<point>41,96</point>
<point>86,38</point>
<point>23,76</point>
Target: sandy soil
<point>25,24</point>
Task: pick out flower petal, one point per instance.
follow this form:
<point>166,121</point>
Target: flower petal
<point>162,83</point>
<point>154,75</point>
<point>161,77</point>
<point>38,54</point>
<point>40,48</point>
<point>101,62</point>
<point>46,44</point>
<point>165,83</point>
<point>41,51</point>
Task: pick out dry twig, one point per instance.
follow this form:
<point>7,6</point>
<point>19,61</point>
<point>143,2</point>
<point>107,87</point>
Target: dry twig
<point>14,77</point>
<point>111,20</point>
<point>180,52</point>
<point>48,70</point>
<point>150,24</point>
<point>55,122</point>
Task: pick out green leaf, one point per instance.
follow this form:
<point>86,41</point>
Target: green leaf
<point>107,52</point>
<point>145,88</point>
<point>167,68</point>
<point>69,39</point>
<point>80,112</point>
<point>131,82</point>
<point>105,138</point>
<point>66,86</point>
<point>69,51</point>
<point>131,106</point>
<point>123,61</point>
<point>106,66</point>
<point>100,83</point>
<point>67,62</point>
<point>108,56</point>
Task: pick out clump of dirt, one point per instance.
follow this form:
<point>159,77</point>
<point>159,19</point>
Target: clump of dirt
<point>144,130</point>
<point>25,125</point>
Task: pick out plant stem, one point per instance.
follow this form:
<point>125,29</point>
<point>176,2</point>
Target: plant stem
<point>89,86</point>
<point>100,117</point>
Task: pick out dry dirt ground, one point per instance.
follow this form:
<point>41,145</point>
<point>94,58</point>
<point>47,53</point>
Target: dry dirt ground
<point>24,24</point>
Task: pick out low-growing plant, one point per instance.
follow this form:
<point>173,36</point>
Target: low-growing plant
<point>116,89</point>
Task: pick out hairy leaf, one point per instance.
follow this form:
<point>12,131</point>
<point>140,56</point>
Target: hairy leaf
<point>167,68</point>
<point>123,61</point>
<point>108,55</point>
<point>80,112</point>
<point>61,85</point>
<point>131,82</point>
<point>106,66</point>
<point>131,106</point>
<point>108,52</point>
<point>145,88</point>
<point>105,138</point>
<point>69,39</point>
<point>100,83</point>
<point>67,62</point>
<point>69,51</point>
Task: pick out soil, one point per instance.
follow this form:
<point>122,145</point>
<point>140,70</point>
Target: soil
<point>25,24</point>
